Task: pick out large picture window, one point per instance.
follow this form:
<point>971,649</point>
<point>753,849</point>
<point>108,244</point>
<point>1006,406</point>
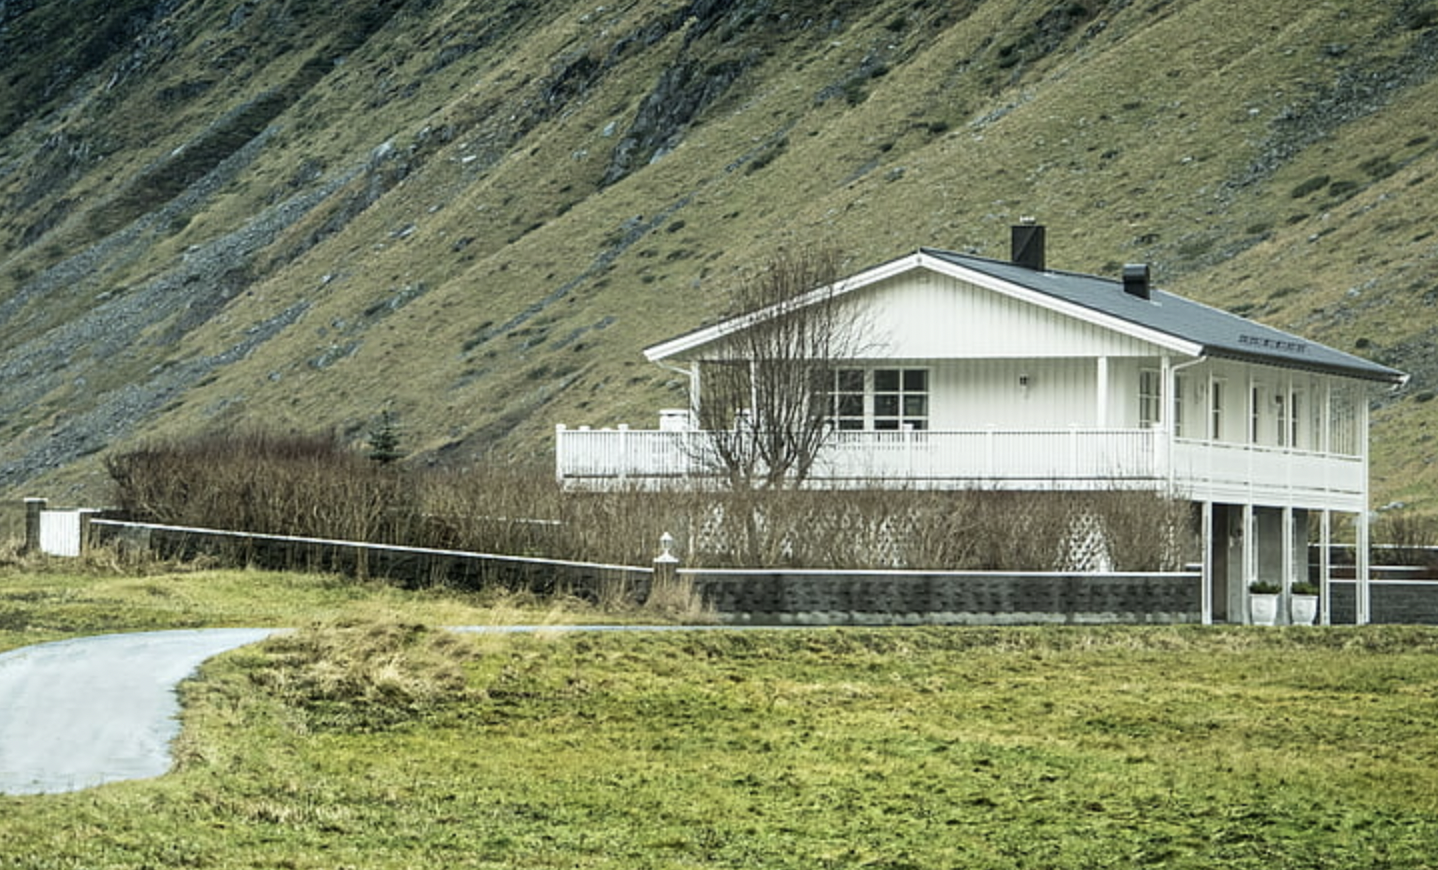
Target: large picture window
<point>880,399</point>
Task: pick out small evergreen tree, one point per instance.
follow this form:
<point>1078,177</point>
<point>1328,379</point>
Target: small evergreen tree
<point>384,439</point>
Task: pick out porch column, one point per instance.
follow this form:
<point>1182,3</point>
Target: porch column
<point>1288,563</point>
<point>1206,595</point>
<point>1365,600</point>
<point>1250,558</point>
<point>1325,567</point>
<point>1101,391</point>
<point>694,397</point>
<point>1361,570</point>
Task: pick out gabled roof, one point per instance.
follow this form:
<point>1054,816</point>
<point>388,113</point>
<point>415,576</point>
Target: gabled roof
<point>1182,325</point>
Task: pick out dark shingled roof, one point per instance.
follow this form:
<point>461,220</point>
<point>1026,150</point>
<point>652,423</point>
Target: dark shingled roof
<point>1219,333</point>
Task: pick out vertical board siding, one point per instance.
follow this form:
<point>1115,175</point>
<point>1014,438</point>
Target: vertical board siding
<point>974,394</point>
<point>60,533</point>
<point>931,316</point>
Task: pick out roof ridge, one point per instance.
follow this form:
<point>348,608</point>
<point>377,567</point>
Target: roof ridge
<point>1011,264</point>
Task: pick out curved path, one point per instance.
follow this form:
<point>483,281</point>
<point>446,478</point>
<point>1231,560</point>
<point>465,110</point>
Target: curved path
<point>91,710</point>
<point>81,712</point>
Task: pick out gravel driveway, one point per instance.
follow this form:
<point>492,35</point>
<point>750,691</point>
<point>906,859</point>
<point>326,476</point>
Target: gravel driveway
<point>82,712</point>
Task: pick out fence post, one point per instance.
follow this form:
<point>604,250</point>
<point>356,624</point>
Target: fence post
<point>85,516</point>
<point>33,507</point>
<point>666,564</point>
<point>663,582</point>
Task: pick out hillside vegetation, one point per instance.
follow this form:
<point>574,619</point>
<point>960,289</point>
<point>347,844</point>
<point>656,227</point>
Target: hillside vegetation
<point>475,215</point>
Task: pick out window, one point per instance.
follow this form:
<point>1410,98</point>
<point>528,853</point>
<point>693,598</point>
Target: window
<point>1297,428</point>
<point>1180,393</point>
<point>1215,410</point>
<point>1284,422</point>
<point>1255,413</point>
<point>901,399</point>
<point>1343,423</point>
<point>1148,397</point>
<point>880,399</point>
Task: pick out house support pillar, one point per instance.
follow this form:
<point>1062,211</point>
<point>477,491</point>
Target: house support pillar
<point>1101,385</point>
<point>1325,567</point>
<point>1361,569</point>
<point>1289,562</point>
<point>1250,557</point>
<point>1206,607</point>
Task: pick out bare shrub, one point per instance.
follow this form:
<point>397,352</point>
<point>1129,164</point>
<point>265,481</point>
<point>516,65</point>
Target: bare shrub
<point>254,481</point>
<point>309,486</point>
<point>1408,538</point>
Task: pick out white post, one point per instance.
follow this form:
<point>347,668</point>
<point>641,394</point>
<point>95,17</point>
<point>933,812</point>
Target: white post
<point>1365,592</point>
<point>1207,580</point>
<point>559,452</point>
<point>1101,379</point>
<point>1250,556</point>
<point>1074,452</point>
<point>1361,571</point>
<point>666,571</point>
<point>1288,564</point>
<point>694,397</point>
<point>1325,568</point>
<point>624,447</point>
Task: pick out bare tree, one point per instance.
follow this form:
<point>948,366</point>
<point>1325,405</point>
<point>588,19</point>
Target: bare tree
<point>766,394</point>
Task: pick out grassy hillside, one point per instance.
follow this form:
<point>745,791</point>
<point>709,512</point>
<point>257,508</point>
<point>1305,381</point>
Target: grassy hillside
<point>476,215</point>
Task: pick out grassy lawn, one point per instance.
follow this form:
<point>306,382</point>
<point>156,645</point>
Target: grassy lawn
<point>43,600</point>
<point>368,740</point>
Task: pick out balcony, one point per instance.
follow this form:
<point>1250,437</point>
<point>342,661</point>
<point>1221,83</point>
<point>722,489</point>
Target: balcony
<point>1025,459</point>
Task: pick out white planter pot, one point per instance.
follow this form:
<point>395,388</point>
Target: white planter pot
<point>1303,609</point>
<point>1262,609</point>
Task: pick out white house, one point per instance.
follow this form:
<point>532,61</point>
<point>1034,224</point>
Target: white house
<point>1006,374</point>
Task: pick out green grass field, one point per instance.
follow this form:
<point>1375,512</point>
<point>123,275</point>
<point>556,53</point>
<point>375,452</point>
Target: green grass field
<point>367,739</point>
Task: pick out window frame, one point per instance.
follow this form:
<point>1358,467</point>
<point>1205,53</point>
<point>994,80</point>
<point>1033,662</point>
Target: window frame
<point>1150,398</point>
<point>894,399</point>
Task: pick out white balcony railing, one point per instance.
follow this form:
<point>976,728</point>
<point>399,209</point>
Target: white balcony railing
<point>1070,458</point>
<point>1080,458</point>
<point>1221,471</point>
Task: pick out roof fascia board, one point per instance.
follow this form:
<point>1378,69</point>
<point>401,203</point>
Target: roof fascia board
<point>1392,377</point>
<point>1062,306</point>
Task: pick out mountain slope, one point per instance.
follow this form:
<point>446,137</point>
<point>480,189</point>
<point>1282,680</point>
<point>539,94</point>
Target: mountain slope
<point>476,215</point>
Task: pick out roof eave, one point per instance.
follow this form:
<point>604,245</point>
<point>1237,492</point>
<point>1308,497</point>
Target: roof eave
<point>1375,373</point>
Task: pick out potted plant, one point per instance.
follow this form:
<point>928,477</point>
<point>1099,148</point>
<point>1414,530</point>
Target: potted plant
<point>1303,603</point>
<point>1263,602</point>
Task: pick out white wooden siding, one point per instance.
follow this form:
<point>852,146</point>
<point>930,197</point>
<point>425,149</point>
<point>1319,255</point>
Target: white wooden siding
<point>922,315</point>
<point>976,394</point>
<point>60,532</point>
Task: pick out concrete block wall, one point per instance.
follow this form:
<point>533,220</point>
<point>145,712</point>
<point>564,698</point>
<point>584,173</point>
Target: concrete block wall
<point>1392,602</point>
<point>948,598</point>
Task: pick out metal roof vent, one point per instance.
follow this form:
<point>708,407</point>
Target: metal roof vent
<point>1135,280</point>
<point>1028,244</point>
